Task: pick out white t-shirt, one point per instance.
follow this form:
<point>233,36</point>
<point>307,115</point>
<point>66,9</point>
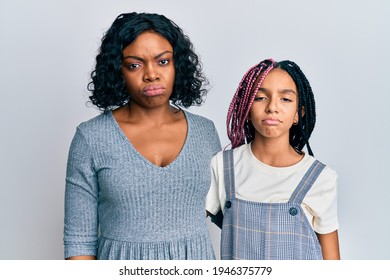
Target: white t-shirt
<point>256,181</point>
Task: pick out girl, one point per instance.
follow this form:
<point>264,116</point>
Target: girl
<point>278,202</point>
<point>138,173</point>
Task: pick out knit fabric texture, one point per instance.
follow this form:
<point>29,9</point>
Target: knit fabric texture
<point>119,205</point>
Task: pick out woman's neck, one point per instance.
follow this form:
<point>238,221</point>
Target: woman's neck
<point>135,114</point>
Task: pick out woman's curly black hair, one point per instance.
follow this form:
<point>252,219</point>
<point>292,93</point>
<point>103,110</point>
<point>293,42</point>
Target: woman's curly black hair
<point>108,85</point>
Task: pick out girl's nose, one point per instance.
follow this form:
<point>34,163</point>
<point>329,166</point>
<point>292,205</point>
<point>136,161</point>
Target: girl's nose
<point>271,108</point>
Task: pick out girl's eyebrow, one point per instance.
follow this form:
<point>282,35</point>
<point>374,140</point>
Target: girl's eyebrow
<point>286,90</point>
<point>141,59</point>
<point>261,89</point>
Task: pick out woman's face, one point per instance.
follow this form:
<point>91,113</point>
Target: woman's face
<point>148,70</point>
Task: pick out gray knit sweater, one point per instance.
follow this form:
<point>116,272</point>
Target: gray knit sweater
<point>118,205</point>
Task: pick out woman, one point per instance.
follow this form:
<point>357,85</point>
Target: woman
<point>138,173</point>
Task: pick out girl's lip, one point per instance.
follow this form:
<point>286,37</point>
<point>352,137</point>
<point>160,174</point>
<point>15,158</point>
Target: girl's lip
<point>153,90</point>
<point>271,121</point>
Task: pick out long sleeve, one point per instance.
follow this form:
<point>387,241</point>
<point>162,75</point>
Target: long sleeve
<point>216,142</point>
<point>81,200</point>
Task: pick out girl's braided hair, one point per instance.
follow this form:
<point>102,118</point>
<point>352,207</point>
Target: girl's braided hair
<point>239,127</point>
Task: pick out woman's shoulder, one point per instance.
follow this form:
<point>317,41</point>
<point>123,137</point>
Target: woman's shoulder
<point>203,129</point>
<point>96,127</point>
<point>197,119</point>
<point>96,122</point>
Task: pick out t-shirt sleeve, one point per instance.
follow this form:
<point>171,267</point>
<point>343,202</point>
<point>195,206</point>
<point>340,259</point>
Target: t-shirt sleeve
<point>81,200</point>
<point>324,196</point>
<point>216,196</point>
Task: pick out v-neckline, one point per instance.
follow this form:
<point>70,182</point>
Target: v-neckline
<point>148,162</point>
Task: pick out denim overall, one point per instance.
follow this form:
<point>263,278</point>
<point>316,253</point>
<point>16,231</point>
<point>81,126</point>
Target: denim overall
<point>268,231</point>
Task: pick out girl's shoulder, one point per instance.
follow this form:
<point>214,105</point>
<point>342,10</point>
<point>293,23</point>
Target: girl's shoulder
<point>238,153</point>
<point>326,172</point>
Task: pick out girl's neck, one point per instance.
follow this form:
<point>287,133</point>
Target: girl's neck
<point>275,152</point>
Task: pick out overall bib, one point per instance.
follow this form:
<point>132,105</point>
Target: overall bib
<point>268,231</point>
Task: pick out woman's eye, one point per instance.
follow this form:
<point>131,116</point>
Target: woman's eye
<point>133,66</point>
<point>286,100</point>
<point>164,61</point>
<point>259,98</point>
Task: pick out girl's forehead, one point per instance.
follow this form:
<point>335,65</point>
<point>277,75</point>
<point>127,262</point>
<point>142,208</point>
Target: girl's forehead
<point>276,78</point>
<point>279,74</point>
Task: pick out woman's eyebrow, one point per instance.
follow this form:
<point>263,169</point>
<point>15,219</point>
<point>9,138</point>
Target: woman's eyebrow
<point>141,59</point>
<point>161,54</point>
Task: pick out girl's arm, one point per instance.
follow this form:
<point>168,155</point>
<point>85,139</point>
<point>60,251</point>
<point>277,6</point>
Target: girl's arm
<point>330,245</point>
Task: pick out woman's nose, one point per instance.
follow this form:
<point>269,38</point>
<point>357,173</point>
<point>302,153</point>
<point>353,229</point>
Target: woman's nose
<point>150,73</point>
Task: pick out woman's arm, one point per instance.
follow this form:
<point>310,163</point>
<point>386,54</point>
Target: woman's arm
<point>82,258</point>
<point>330,245</point>
<point>81,202</point>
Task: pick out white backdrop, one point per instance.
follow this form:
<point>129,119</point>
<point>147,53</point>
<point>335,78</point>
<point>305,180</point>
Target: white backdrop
<point>48,48</point>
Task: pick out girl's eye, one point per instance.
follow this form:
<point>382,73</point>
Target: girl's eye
<point>286,99</point>
<point>259,98</point>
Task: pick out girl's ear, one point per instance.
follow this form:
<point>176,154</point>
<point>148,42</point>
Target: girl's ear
<point>296,117</point>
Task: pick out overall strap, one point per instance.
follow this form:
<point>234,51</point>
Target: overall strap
<point>228,171</point>
<point>306,182</point>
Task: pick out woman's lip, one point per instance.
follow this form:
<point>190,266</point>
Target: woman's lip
<point>153,90</point>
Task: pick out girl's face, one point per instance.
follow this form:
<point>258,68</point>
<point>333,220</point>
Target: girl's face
<point>274,109</point>
<point>148,70</point>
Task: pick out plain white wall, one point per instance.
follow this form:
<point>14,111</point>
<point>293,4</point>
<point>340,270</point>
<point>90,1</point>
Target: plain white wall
<point>48,48</point>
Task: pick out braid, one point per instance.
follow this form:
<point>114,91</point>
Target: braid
<point>300,133</point>
<point>240,130</point>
